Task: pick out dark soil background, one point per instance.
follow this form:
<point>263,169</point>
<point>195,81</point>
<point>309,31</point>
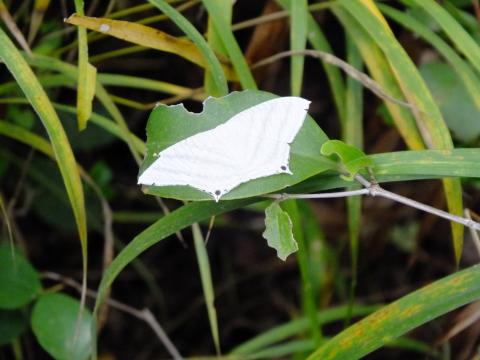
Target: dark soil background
<point>255,290</point>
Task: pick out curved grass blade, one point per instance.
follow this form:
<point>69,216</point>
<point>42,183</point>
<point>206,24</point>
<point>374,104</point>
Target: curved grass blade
<point>298,41</point>
<point>59,141</point>
<point>382,73</point>
<point>12,26</point>
<point>39,9</point>
<point>234,52</point>
<point>403,315</point>
<point>429,119</point>
<point>221,87</point>
<point>145,36</point>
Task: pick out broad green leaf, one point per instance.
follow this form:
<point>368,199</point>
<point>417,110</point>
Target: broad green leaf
<point>87,74</point>
<point>168,125</point>
<point>54,320</point>
<point>19,281</point>
<point>235,54</point>
<point>278,231</point>
<point>12,324</point>
<point>298,40</point>
<point>221,86</point>
<point>460,112</point>
<point>352,158</point>
<point>63,153</point>
<point>403,315</point>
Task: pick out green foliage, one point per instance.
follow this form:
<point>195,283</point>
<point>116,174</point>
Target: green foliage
<point>19,282</point>
<point>41,189</point>
<point>54,323</point>
<point>278,231</point>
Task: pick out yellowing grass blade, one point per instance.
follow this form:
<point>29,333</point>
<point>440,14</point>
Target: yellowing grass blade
<point>10,23</point>
<point>429,119</point>
<point>145,36</point>
<point>39,9</point>
<point>63,153</point>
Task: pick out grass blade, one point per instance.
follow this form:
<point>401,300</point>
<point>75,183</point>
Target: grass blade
<point>353,135</point>
<point>298,41</point>
<point>207,283</point>
<point>215,40</point>
<point>59,141</point>
<point>403,315</point>
<point>219,81</point>
<point>224,30</point>
<point>457,34</point>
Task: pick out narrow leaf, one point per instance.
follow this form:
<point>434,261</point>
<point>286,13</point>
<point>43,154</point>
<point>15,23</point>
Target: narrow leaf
<point>298,40</point>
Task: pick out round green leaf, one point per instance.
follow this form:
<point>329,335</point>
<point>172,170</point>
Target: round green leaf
<point>12,324</point>
<point>54,320</point>
<point>168,125</point>
<point>19,282</point>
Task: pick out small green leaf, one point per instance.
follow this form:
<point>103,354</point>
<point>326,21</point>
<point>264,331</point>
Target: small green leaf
<point>278,231</point>
<point>54,320</point>
<point>12,325</point>
<point>352,158</point>
<point>19,282</point>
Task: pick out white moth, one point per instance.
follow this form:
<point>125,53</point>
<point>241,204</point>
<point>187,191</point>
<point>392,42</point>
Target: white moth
<point>252,144</point>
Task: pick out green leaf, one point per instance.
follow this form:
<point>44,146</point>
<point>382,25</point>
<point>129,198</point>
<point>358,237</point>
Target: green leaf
<point>54,320</point>
<point>353,159</point>
<point>460,112</point>
<point>12,324</point>
<point>19,281</point>
<point>168,125</point>
<point>403,315</point>
<point>278,231</point>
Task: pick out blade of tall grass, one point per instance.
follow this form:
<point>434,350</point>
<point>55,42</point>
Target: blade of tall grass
<point>221,87</point>
<point>308,297</point>
<point>207,283</point>
<point>38,12</point>
<point>463,69</point>
<point>215,40</point>
<point>381,71</point>
<point>457,34</point>
<point>353,135</point>
<point>61,147</point>
<point>86,75</point>
<point>296,327</point>
<point>298,41</point>
<point>429,119</point>
<point>230,43</point>
<point>12,26</point>
<point>403,315</point>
